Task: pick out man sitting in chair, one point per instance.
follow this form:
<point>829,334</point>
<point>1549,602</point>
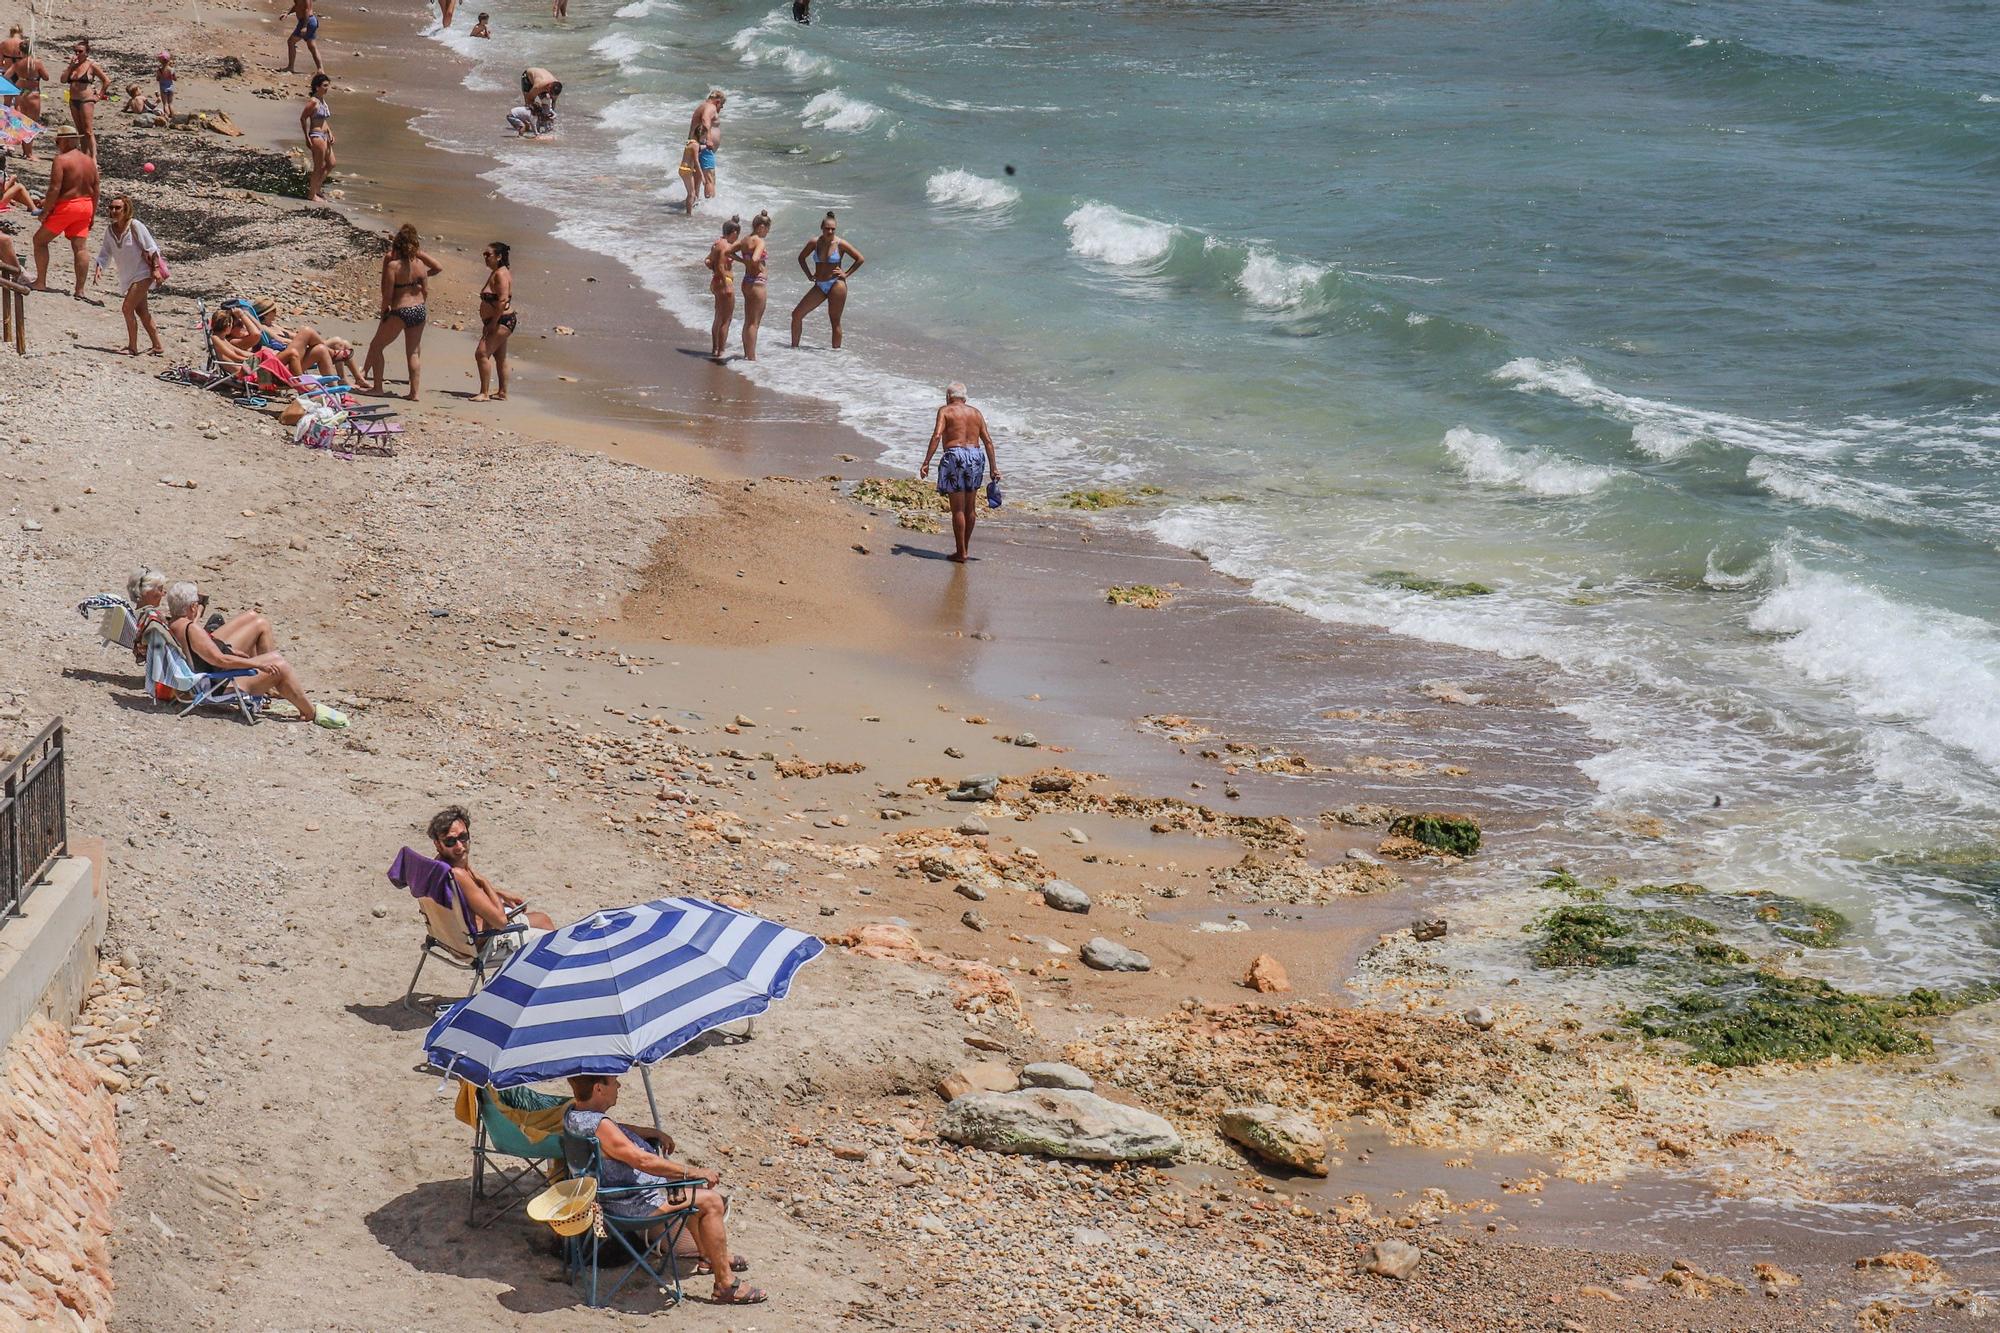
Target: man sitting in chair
<point>626,1160</point>
<point>493,908</point>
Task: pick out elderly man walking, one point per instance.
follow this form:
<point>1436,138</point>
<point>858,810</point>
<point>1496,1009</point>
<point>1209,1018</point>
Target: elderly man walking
<point>69,207</point>
<point>968,453</point>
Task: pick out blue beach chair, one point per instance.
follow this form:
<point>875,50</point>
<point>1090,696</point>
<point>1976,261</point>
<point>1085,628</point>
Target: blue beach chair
<point>624,1241</point>
<point>169,678</point>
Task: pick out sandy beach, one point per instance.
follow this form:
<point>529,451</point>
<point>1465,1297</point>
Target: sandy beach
<point>637,621</point>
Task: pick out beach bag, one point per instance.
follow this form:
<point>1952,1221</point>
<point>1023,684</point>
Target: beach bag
<point>160,271</point>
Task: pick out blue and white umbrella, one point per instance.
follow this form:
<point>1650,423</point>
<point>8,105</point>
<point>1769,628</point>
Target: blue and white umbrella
<point>618,988</point>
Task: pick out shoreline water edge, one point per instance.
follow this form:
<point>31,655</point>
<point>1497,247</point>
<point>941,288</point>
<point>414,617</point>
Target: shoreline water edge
<point>1556,1031</point>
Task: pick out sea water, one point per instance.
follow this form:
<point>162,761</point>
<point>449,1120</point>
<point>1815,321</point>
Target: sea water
<point>1675,325</point>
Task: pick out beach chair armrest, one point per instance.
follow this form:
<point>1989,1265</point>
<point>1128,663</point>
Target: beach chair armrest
<point>233,673</point>
<point>482,937</point>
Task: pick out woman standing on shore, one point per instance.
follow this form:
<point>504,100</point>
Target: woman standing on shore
<point>497,321</point>
<point>406,275</point>
<point>722,285</point>
<point>80,74</point>
<point>829,279</point>
<point>131,247</point>
<point>756,257</point>
<point>317,122</point>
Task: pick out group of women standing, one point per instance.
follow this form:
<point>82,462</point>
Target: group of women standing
<point>826,260</point>
<point>405,310</point>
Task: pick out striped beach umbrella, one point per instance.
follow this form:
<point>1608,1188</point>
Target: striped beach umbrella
<point>618,988</point>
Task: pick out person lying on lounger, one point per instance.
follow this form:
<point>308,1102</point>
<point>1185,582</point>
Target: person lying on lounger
<point>238,334</point>
<point>244,641</point>
<point>492,906</point>
<point>628,1159</point>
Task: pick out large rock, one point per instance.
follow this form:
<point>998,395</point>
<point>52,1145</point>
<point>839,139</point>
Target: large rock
<point>1266,975</point>
<point>1055,1074</point>
<point>1111,956</point>
<point>1286,1138</point>
<point>1058,1122</point>
<point>986,1076</point>
<point>1065,896</point>
<point>1456,834</point>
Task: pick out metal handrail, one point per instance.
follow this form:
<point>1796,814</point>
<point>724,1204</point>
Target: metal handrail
<point>34,816</point>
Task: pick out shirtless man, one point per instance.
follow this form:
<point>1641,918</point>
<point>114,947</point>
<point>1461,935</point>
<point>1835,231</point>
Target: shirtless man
<point>304,29</point>
<point>69,207</point>
<point>538,82</point>
<point>26,73</point>
<point>705,129</point>
<point>968,452</point>
<point>79,74</point>
<point>492,907</point>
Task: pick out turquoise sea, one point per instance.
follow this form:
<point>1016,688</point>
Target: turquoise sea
<point>1674,324</point>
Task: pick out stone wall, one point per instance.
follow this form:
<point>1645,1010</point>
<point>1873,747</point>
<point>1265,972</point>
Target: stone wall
<point>59,1161</point>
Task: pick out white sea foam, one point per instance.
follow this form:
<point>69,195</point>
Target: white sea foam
<point>1537,471</point>
<point>959,188</point>
<point>1699,41</point>
<point>639,9</point>
<point>1415,320</point>
<point>1988,98</point>
<point>1113,236</point>
<point>1929,668</point>
<point>1661,441</point>
<point>1863,499</point>
<point>622,48</point>
<point>834,110</point>
<point>1275,283</point>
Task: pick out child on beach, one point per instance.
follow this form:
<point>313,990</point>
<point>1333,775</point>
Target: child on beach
<point>690,170</point>
<point>165,75</point>
<point>480,29</point>
<point>138,103</point>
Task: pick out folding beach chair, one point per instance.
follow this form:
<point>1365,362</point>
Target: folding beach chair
<point>117,624</point>
<point>170,679</point>
<point>451,936</point>
<point>623,1242</point>
<point>509,1183</point>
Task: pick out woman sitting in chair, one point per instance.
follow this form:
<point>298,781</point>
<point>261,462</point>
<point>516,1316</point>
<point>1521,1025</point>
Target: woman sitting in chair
<point>238,335</point>
<point>626,1158</point>
<point>208,650</point>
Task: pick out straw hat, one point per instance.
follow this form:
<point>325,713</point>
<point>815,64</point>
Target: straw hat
<point>566,1206</point>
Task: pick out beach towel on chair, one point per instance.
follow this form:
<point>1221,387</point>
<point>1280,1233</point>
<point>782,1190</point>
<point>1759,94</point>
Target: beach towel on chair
<point>424,877</point>
<point>167,673</point>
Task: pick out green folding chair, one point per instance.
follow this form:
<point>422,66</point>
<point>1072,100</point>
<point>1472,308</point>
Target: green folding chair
<point>499,1187</point>
<point>624,1241</point>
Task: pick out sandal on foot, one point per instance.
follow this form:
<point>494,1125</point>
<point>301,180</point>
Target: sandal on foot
<point>737,1264</point>
<point>330,718</point>
<point>738,1294</point>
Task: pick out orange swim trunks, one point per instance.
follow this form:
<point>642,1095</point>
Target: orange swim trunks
<point>72,217</point>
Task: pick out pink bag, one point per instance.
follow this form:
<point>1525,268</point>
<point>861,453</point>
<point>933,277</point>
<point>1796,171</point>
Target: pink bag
<point>160,269</point>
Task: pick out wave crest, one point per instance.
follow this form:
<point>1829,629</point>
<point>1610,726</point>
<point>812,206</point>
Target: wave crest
<point>1485,459</point>
<point>835,110</point>
<point>1113,236</point>
<point>959,188</point>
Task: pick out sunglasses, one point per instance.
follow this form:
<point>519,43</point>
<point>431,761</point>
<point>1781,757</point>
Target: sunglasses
<point>456,840</point>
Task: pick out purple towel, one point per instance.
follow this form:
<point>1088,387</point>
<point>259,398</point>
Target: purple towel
<point>423,877</point>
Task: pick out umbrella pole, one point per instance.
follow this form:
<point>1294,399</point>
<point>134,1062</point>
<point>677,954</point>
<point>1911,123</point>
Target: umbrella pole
<point>646,1077</point>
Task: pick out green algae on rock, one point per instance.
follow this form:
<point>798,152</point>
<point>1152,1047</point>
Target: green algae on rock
<point>1430,587</point>
<point>1775,1017</point>
<point>898,493</point>
<point>1142,595</point>
<point>1457,834</point>
<point>1109,497</point>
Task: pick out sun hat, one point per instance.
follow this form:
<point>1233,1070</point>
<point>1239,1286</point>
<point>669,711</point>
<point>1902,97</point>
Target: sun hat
<point>566,1206</point>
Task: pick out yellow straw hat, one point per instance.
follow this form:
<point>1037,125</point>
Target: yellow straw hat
<point>566,1205</point>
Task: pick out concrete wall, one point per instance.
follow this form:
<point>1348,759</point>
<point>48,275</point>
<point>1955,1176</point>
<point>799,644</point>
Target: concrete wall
<point>49,953</point>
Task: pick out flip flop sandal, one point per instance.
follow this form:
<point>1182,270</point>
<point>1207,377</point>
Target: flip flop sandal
<point>737,1264</point>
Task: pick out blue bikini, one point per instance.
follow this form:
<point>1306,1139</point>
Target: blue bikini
<point>825,285</point>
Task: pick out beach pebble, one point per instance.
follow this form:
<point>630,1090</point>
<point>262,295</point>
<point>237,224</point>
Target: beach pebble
<point>1429,928</point>
<point>953,752</point>
<point>1065,896</point>
<point>1026,740</point>
<point>972,826</point>
<point>1481,1017</point>
<point>971,920</point>
<point>1393,1258</point>
<point>1286,1138</point>
<point>379,911</point>
<point>1055,1074</point>
<point>967,889</point>
<point>1076,835</point>
<point>1048,782</point>
<point>1111,956</point>
<point>1267,975</point>
<point>1363,856</point>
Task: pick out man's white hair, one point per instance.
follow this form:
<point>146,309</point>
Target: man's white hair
<point>954,392</point>
<point>181,596</point>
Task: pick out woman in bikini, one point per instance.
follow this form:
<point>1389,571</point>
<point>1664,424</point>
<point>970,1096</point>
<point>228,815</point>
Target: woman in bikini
<point>81,73</point>
<point>406,274</point>
<point>690,170</point>
<point>27,73</point>
<point>316,119</point>
<point>239,331</point>
<point>756,257</point>
<point>207,651</point>
<point>820,261</point>
<point>497,321</point>
<point>721,256</point>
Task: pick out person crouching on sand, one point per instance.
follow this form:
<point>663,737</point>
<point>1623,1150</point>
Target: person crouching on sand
<point>136,256</point>
<point>968,451</point>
